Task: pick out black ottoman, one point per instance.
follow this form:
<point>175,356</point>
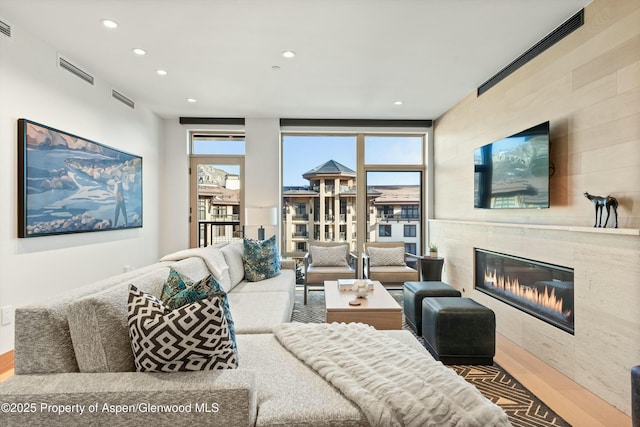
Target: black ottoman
<point>459,331</point>
<point>414,292</point>
<point>635,396</point>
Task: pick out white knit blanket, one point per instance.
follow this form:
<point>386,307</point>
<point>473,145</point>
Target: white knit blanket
<point>392,383</point>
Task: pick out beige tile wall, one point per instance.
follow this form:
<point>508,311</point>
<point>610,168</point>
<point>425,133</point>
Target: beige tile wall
<point>588,87</point>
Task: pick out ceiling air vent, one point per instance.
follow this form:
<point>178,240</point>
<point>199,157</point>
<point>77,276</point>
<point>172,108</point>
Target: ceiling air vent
<point>5,28</point>
<point>78,72</point>
<point>569,26</point>
<point>120,97</point>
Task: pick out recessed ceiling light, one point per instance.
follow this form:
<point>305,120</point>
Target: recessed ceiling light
<point>109,23</point>
<point>192,100</point>
<point>139,51</point>
<point>161,72</point>
<point>398,102</point>
<point>288,54</point>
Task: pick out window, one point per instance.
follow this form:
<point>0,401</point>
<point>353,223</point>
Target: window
<point>409,231</point>
<point>321,174</point>
<point>393,150</point>
<point>318,176</point>
<point>301,210</point>
<point>398,197</point>
<point>385,212</point>
<point>216,188</point>
<point>232,144</point>
<point>410,248</point>
<point>384,230</point>
<point>202,210</point>
<point>410,212</point>
<point>301,230</point>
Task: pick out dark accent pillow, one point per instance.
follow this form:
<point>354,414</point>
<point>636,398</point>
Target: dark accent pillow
<point>179,290</point>
<point>261,259</point>
<point>194,337</point>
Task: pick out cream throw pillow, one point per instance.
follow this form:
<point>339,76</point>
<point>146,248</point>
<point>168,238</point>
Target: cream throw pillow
<point>329,256</point>
<point>379,257</point>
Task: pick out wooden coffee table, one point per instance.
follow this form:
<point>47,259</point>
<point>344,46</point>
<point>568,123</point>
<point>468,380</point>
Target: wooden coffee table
<point>379,309</point>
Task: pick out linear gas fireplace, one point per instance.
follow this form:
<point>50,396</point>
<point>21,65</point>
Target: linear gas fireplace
<point>542,290</point>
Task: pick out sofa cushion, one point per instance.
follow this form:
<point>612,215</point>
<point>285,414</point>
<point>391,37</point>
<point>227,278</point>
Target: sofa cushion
<point>284,282</point>
<point>98,325</point>
<point>43,341</point>
<point>261,259</point>
<point>233,253</point>
<point>179,291</point>
<point>259,312</point>
<point>394,274</point>
<point>224,397</point>
<point>194,337</point>
<point>329,256</point>
<point>289,392</point>
<point>386,256</point>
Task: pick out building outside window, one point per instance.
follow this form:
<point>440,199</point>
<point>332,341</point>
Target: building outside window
<point>216,175</point>
<point>320,192</point>
<point>409,230</point>
<point>409,212</point>
<point>410,248</point>
<point>385,212</point>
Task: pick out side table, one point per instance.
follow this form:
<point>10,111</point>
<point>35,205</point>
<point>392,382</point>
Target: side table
<point>431,268</point>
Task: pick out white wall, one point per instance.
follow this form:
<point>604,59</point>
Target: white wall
<point>32,87</point>
<point>262,168</point>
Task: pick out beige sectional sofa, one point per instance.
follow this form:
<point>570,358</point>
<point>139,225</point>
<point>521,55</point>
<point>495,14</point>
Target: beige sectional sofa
<point>74,364</point>
<point>74,350</point>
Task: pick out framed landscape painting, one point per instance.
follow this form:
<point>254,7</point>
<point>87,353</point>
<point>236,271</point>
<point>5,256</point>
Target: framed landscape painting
<point>68,184</point>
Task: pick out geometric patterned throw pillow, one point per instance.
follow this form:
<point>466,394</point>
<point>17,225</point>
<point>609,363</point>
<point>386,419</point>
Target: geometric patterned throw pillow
<point>194,337</point>
<point>261,260</point>
<point>179,290</point>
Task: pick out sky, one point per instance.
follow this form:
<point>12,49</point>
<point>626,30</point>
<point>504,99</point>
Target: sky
<point>302,153</point>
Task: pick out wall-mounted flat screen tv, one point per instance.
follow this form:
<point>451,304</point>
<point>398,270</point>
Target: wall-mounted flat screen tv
<point>513,173</point>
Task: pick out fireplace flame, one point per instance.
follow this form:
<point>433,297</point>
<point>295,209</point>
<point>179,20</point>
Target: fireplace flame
<point>544,299</point>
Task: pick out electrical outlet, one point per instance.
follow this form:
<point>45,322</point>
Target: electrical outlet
<point>7,314</point>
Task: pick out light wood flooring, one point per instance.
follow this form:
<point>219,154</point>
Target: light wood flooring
<point>576,405</point>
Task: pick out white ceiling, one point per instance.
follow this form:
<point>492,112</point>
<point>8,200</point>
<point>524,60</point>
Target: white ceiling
<point>355,58</point>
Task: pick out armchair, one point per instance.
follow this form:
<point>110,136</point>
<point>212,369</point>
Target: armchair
<point>386,262</point>
<point>327,261</point>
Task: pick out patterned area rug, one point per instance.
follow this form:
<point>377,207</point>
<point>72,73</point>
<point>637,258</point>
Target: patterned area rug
<point>523,407</point>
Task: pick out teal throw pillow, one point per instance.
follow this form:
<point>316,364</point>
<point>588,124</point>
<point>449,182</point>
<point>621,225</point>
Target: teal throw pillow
<point>261,259</point>
<point>179,290</point>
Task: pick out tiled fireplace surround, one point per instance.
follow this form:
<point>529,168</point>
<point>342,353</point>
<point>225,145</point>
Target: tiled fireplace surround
<point>606,272</point>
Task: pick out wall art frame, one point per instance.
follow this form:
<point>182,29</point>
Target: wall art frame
<point>69,184</point>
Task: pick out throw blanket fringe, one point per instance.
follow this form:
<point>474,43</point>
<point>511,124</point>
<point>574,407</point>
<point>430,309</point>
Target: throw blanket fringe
<point>392,383</point>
